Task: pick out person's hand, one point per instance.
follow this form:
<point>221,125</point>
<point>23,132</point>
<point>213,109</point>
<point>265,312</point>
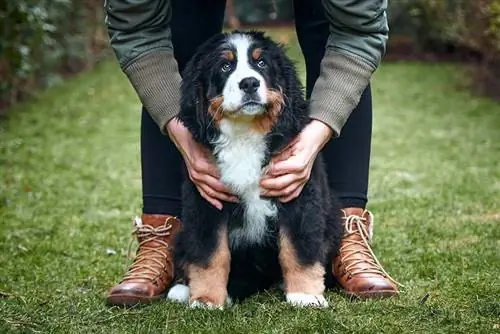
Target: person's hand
<point>201,168</point>
<point>289,170</point>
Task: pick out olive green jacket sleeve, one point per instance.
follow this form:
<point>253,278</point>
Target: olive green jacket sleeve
<point>355,47</point>
<point>140,36</point>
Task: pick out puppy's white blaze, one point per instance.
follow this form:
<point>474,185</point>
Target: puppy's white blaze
<point>179,293</point>
<point>232,93</point>
<point>240,154</point>
<point>306,300</point>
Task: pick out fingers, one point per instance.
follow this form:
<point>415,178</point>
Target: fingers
<point>217,190</point>
<point>283,181</point>
<point>279,183</point>
<point>292,165</point>
<point>203,166</point>
<point>214,197</point>
<point>212,186</point>
<point>287,186</point>
<point>285,192</point>
<point>211,189</point>
<point>210,200</point>
<point>293,195</point>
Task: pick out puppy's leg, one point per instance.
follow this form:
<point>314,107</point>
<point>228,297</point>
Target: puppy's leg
<point>201,251</point>
<point>208,284</point>
<point>304,283</point>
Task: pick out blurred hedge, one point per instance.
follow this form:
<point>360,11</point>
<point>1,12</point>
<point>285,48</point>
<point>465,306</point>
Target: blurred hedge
<point>437,26</point>
<point>41,41</point>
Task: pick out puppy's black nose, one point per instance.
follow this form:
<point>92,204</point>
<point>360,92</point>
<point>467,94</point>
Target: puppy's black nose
<point>249,85</point>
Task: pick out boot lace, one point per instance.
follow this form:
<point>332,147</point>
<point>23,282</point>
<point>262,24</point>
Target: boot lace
<point>354,224</point>
<point>149,262</point>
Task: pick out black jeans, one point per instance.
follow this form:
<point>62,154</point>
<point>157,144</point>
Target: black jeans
<point>347,157</point>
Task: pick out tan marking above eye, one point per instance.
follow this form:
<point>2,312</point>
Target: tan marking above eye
<point>228,54</point>
<point>256,53</point>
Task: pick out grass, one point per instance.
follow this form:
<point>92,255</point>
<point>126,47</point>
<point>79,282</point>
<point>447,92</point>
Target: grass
<point>70,184</point>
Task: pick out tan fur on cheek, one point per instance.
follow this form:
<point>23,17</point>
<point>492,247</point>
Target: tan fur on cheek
<point>265,122</point>
<point>209,285</point>
<point>215,109</point>
<point>299,278</point>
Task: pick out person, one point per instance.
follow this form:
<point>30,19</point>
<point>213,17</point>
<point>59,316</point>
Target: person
<point>343,43</point>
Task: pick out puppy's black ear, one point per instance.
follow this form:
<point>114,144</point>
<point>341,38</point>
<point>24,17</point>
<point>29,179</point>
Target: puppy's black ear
<point>194,105</point>
<point>296,107</point>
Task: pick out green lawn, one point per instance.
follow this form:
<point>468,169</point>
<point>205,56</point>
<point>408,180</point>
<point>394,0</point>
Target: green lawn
<point>70,185</point>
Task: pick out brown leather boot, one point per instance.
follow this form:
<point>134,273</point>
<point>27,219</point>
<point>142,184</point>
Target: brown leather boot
<point>152,271</point>
<point>356,268</point>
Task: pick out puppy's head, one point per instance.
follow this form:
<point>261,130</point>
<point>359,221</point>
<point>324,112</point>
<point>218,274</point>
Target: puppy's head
<point>237,76</point>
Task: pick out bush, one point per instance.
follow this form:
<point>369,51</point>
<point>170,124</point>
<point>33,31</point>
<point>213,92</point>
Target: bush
<point>43,40</point>
<point>437,25</point>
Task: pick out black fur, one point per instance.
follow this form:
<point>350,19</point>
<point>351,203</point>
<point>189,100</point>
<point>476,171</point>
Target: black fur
<point>311,221</point>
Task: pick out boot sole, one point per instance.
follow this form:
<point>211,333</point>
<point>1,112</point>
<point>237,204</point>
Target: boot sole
<point>380,294</point>
<point>129,300</point>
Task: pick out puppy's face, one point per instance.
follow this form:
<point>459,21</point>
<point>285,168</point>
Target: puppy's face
<point>243,70</point>
<point>240,78</point>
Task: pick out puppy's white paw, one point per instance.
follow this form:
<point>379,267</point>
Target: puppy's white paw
<point>306,300</point>
<point>207,305</point>
<point>179,293</point>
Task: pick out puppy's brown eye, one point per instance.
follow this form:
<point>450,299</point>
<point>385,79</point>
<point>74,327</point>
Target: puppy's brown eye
<point>261,63</point>
<point>226,67</point>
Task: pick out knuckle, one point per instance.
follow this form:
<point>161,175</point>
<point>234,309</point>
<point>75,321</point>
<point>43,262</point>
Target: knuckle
<point>199,165</point>
<point>211,192</point>
<point>191,177</point>
<point>196,166</point>
<point>219,186</point>
<point>288,191</point>
<point>194,175</point>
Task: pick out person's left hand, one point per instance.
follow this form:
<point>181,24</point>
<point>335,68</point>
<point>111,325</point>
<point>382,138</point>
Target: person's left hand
<point>290,169</point>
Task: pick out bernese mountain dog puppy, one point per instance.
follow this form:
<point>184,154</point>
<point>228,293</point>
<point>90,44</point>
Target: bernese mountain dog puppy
<point>241,98</point>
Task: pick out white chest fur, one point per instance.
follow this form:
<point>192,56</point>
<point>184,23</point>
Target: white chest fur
<point>240,154</point>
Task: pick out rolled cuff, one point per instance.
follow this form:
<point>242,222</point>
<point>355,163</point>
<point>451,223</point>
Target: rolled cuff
<point>339,87</point>
<point>156,79</point>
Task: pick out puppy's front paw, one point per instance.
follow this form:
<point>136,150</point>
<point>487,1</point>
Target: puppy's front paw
<point>205,305</point>
<point>306,300</point>
<point>179,293</point>
<point>210,304</point>
<point>198,303</point>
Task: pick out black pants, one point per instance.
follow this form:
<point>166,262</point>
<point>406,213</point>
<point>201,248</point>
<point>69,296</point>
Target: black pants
<point>347,157</point>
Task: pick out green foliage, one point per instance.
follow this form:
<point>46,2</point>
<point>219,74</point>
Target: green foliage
<point>433,25</point>
<point>41,40</point>
<point>474,24</point>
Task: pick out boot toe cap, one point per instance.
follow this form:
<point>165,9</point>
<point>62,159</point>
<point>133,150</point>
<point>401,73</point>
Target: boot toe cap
<point>373,287</point>
<point>130,294</point>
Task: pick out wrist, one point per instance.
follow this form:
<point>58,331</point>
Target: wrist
<point>170,126</point>
<point>321,132</point>
<point>178,133</point>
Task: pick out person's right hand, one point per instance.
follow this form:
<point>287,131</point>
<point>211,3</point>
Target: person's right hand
<point>201,168</point>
